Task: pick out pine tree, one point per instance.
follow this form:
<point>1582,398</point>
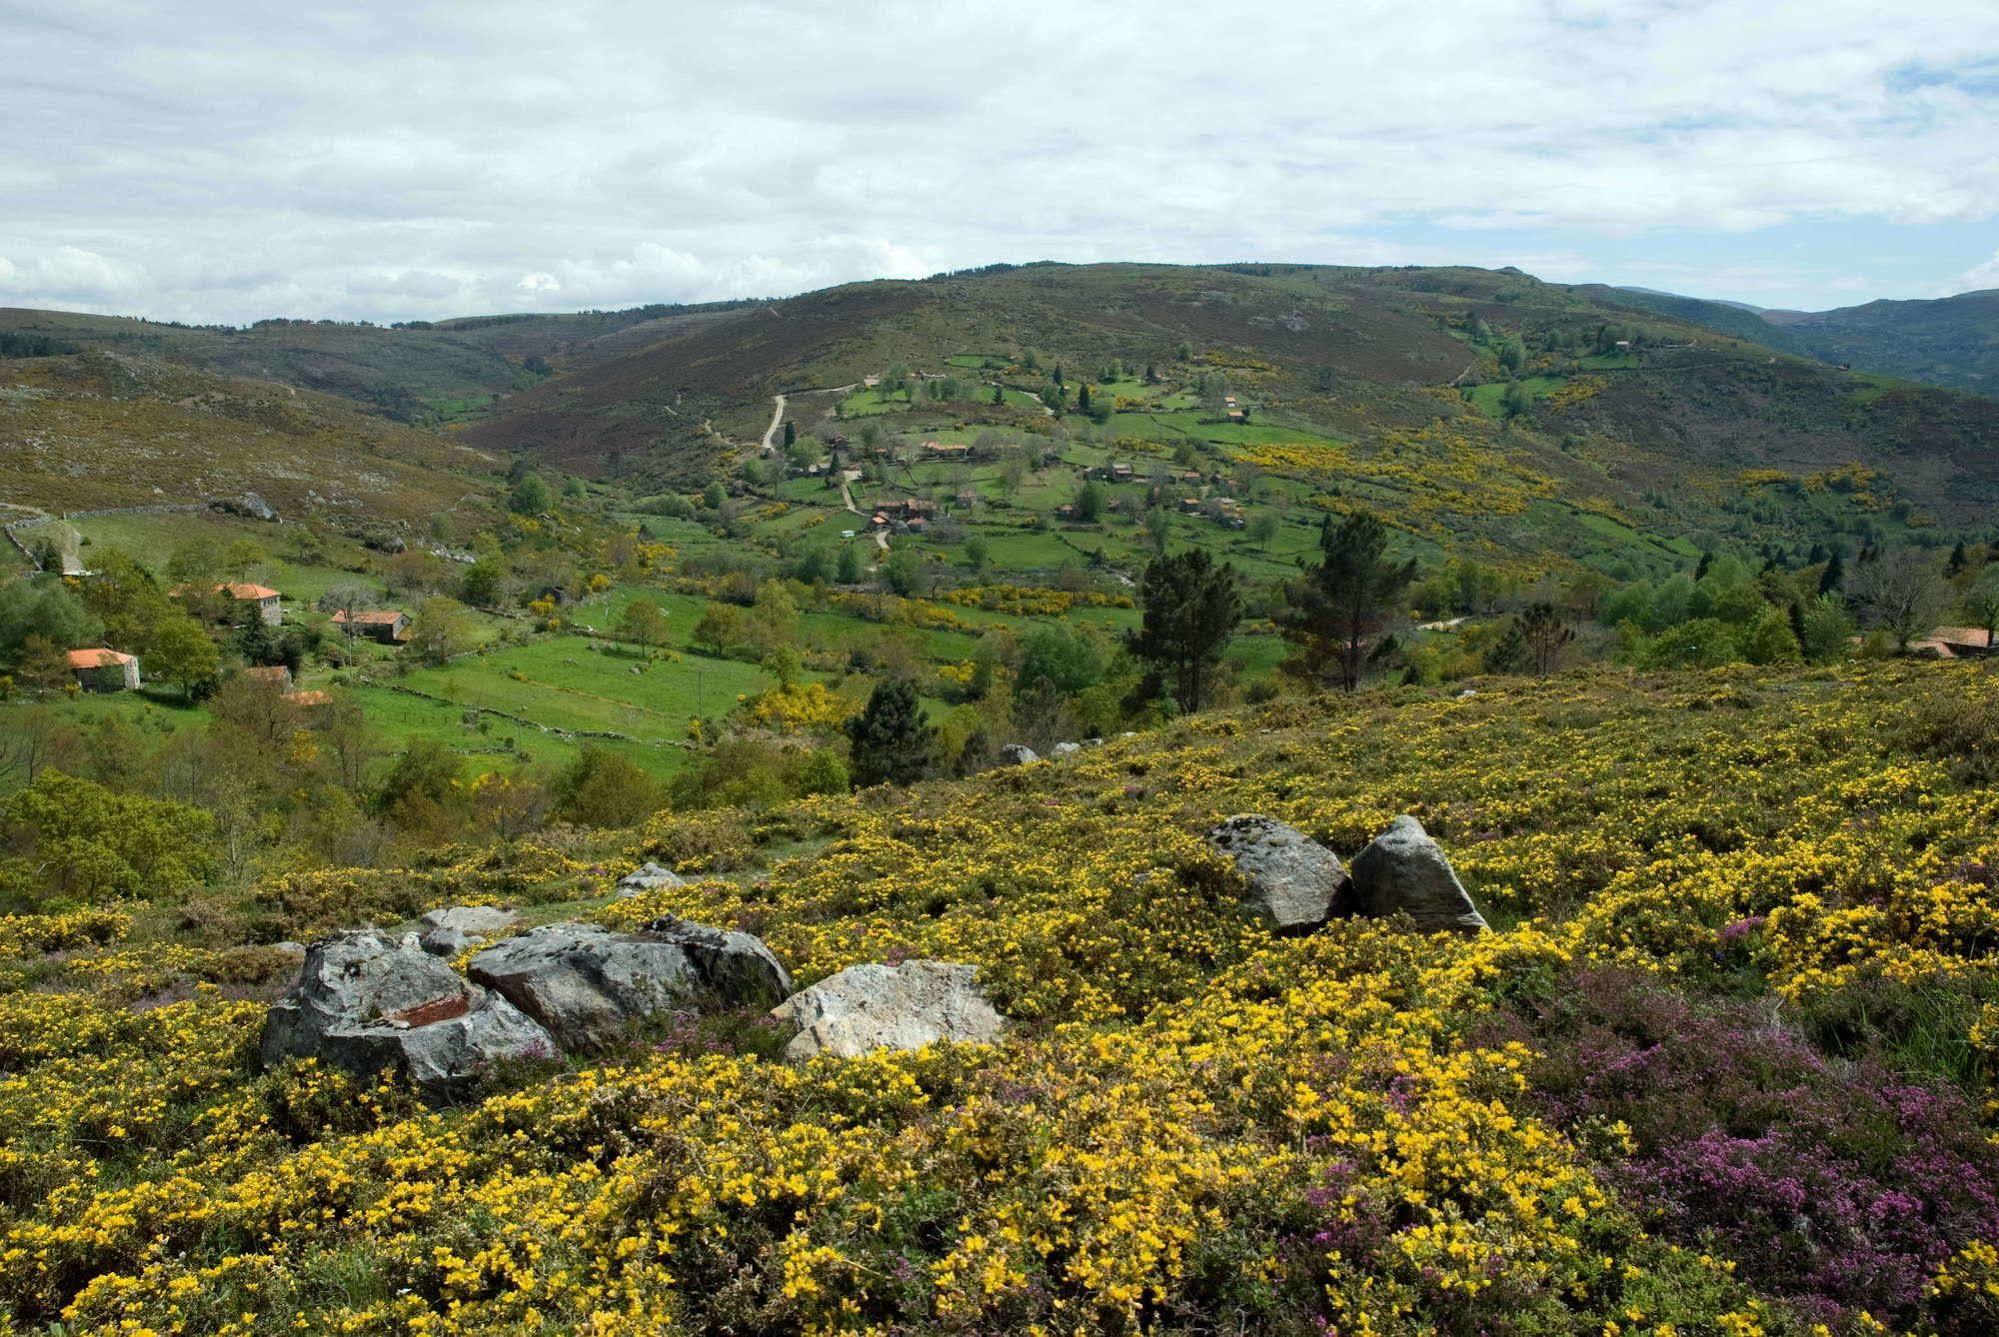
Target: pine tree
<point>891,742</point>
<point>790,435</point>
<point>1345,601</point>
<point>1192,608</point>
<point>1834,574</point>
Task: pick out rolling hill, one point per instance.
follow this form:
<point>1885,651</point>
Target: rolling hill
<point>1616,400</point>
<point>1950,341</point>
<point>102,430</point>
<point>424,372</point>
<point>1946,341</point>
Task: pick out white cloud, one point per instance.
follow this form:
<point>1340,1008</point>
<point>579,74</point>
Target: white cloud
<point>1976,278</point>
<point>435,158</point>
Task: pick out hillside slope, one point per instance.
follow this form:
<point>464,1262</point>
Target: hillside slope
<point>102,430</point>
<point>1950,341</point>
<point>1356,356</point>
<point>422,372</point>
<point>1742,941</point>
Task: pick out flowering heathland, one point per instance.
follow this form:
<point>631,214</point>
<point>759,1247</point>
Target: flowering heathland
<point>1724,1065</point>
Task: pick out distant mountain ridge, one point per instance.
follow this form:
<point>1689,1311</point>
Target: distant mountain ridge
<point>1948,341</point>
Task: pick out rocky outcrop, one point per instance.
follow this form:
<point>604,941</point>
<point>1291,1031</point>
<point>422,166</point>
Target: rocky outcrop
<point>647,877</point>
<point>888,1007</point>
<point>1066,749</point>
<point>1017,754</point>
<point>1295,883</point>
<point>366,1002</point>
<point>588,985</point>
<point>1405,872</point>
<point>449,931</point>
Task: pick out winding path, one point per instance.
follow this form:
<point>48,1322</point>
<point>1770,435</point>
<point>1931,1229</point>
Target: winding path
<point>776,417</point>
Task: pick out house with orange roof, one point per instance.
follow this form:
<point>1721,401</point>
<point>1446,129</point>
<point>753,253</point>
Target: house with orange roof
<point>391,626</point>
<point>261,599</point>
<point>101,669</point>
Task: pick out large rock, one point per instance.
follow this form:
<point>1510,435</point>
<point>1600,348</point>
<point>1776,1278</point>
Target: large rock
<point>1017,754</point>
<point>888,1007</point>
<point>1066,749</point>
<point>588,985</point>
<point>646,877</point>
<point>366,1002</point>
<point>449,931</point>
<point>1295,883</point>
<point>1404,871</point>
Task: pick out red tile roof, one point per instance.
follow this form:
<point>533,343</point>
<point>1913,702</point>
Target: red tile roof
<point>254,593</point>
<point>369,617</point>
<point>97,658</point>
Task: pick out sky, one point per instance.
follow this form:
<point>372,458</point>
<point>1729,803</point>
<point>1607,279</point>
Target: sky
<point>232,160</point>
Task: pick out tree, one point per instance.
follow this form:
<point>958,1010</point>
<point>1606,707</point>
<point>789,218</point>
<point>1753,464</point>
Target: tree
<point>891,743</point>
<point>183,655</point>
<point>1090,502</point>
<point>1083,398</point>
<point>643,623</point>
<point>1192,608</point>
<point>977,553</point>
<point>849,569</point>
<point>125,598</point>
<point>1770,639</point>
<point>1348,599</point>
<point>441,630</point>
<point>1824,630</point>
<point>74,842</point>
<point>1544,635</point>
<point>529,497</point>
<point>42,666</point>
<point>1068,657</point>
<point>720,627</point>
<point>1262,530</point>
<point>45,610</point>
<point>1834,575</point>
<point>484,583</point>
<point>605,788</point>
<point>790,435</point>
<point>1901,593</point>
<point>999,395</point>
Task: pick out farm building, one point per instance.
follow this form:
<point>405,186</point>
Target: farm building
<point>945,450</point>
<point>388,625</point>
<point>258,598</point>
<point>104,670</point>
<point>1954,643</point>
<point>276,676</point>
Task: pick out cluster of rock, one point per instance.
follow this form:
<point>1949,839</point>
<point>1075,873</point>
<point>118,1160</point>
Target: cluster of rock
<point>1297,884</point>
<point>367,1001</point>
<point>1020,754</point>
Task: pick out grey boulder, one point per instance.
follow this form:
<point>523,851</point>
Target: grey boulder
<point>588,985</point>
<point>365,1002</point>
<point>646,877</point>
<point>1405,872</point>
<point>1066,749</point>
<point>888,1007</point>
<point>450,931</point>
<point>1295,883</point>
<point>1017,754</point>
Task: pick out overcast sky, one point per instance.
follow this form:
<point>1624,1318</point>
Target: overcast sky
<point>236,159</point>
